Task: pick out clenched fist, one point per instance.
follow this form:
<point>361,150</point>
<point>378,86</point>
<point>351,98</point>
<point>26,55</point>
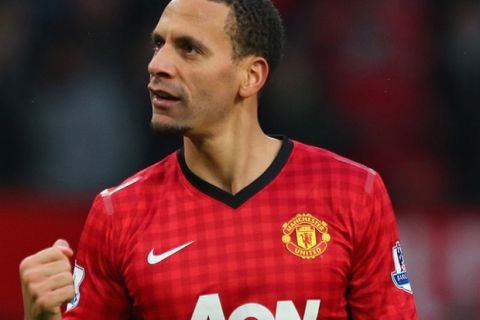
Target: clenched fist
<point>47,281</point>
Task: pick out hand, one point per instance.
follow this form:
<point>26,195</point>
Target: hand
<point>47,282</point>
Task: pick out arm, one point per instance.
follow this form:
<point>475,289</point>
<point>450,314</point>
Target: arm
<point>98,280</point>
<point>95,290</point>
<point>373,293</point>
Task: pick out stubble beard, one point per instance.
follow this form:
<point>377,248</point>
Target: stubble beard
<point>162,129</point>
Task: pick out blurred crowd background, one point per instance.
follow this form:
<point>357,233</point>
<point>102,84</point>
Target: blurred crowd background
<point>394,84</point>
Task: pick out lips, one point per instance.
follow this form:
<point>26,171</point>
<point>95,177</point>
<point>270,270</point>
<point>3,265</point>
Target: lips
<point>162,97</point>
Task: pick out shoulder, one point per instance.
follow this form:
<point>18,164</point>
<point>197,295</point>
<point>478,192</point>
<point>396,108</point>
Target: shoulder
<point>349,188</point>
<point>330,166</point>
<point>140,186</point>
<point>327,157</point>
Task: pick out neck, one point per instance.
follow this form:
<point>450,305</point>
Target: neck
<point>233,159</point>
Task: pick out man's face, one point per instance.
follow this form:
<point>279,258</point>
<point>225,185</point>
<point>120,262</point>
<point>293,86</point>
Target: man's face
<point>193,79</point>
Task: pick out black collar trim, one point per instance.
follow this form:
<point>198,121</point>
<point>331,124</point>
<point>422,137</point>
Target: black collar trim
<point>249,191</point>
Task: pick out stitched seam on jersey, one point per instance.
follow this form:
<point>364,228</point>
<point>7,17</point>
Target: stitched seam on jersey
<point>350,162</point>
<point>107,201</point>
<point>115,254</point>
<point>370,180</point>
<point>125,184</point>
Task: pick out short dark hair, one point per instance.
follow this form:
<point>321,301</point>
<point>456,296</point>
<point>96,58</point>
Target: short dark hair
<point>255,27</point>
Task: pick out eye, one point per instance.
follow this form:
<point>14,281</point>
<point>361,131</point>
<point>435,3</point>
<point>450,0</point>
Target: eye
<point>190,49</point>
<point>157,44</point>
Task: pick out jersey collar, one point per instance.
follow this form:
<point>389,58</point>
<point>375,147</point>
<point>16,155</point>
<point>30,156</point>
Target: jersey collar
<point>249,191</point>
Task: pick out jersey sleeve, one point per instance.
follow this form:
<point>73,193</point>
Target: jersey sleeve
<point>379,286</point>
<point>99,292</point>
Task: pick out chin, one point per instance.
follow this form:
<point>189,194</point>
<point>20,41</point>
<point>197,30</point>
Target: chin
<point>169,129</point>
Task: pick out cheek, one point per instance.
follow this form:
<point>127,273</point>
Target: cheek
<point>219,88</point>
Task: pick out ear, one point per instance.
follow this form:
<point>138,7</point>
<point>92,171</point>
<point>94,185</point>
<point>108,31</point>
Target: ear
<point>255,75</point>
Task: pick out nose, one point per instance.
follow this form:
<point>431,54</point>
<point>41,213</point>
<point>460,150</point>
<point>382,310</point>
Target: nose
<point>161,64</point>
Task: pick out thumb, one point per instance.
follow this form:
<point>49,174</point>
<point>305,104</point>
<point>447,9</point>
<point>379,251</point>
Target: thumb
<point>64,247</point>
<point>61,243</point>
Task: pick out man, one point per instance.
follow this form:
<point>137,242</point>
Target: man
<point>236,224</point>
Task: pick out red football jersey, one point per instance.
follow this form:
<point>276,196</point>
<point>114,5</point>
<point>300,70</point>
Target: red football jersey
<point>314,237</point>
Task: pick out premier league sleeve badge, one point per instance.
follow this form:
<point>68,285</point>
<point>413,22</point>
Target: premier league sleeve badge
<point>400,276</point>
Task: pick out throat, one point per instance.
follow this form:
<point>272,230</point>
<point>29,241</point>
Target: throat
<point>233,186</point>
<point>232,169</point>
<point>234,192</point>
<point>231,177</point>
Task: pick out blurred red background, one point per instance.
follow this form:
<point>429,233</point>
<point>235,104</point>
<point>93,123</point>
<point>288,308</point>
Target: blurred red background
<point>392,84</point>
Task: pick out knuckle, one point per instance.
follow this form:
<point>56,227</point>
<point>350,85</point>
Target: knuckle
<point>70,291</point>
<point>33,289</point>
<point>24,264</point>
<point>62,259</point>
<point>43,302</point>
<point>67,277</point>
<point>61,266</point>
<point>30,275</point>
<point>66,265</point>
<point>27,276</point>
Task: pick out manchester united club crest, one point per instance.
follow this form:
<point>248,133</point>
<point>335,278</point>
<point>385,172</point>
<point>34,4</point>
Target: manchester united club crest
<point>306,236</point>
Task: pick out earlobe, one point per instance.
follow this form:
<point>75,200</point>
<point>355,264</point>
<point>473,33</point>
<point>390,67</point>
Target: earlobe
<point>256,73</point>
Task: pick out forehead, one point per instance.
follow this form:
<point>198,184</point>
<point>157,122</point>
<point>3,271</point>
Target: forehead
<point>199,18</point>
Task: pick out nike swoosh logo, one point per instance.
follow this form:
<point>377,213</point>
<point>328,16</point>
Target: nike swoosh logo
<point>154,259</point>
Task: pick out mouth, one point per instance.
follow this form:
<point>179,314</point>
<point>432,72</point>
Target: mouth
<point>163,99</point>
